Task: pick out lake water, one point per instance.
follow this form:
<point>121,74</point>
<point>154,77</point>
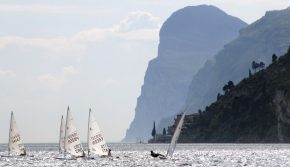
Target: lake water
<point>198,155</point>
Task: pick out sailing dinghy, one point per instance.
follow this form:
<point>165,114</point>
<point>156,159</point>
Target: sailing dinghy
<point>61,138</point>
<point>96,142</point>
<point>174,139</point>
<point>15,144</point>
<point>72,142</point>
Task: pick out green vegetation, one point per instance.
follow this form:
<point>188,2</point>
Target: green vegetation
<point>274,58</point>
<point>258,66</point>
<point>153,133</point>
<point>255,110</point>
<point>164,131</point>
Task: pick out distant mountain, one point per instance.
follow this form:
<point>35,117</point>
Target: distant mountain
<point>255,110</point>
<point>268,35</point>
<point>188,38</point>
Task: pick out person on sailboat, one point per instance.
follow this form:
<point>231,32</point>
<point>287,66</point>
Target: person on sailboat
<point>109,154</point>
<point>155,155</point>
<point>23,154</point>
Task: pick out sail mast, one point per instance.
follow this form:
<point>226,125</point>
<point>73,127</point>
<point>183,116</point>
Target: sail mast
<point>60,135</point>
<point>10,133</point>
<point>65,132</point>
<point>88,135</point>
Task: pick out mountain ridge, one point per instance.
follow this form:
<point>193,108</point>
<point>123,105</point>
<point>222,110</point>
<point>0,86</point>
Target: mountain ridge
<point>183,48</point>
<point>269,32</point>
<point>264,37</point>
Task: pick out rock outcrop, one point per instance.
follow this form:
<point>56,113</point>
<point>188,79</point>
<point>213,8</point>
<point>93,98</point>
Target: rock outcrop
<point>255,110</point>
<point>268,35</point>
<point>188,38</point>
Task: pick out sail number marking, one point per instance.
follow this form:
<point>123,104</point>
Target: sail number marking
<point>72,138</point>
<point>15,138</point>
<point>78,148</point>
<point>104,148</point>
<point>97,139</point>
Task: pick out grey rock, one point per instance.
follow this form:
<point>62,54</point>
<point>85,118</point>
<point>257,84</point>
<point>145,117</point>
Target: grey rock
<point>257,42</point>
<point>188,38</point>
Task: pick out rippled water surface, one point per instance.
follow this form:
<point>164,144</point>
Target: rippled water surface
<point>199,155</point>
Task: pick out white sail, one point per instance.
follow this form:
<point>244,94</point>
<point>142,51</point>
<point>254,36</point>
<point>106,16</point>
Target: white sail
<point>175,136</point>
<point>96,142</point>
<point>15,144</point>
<point>61,135</point>
<point>72,142</point>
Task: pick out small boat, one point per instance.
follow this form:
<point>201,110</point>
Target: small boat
<point>61,138</point>
<point>72,143</point>
<point>96,142</point>
<point>15,144</point>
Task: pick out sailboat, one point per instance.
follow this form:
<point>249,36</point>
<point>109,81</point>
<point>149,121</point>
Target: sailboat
<point>15,144</point>
<point>61,148</point>
<point>61,136</point>
<point>72,143</point>
<point>174,139</point>
<point>96,142</point>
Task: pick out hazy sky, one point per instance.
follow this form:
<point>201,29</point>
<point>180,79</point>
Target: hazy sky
<point>85,53</point>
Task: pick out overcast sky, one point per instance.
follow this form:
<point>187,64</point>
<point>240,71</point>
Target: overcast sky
<point>85,53</point>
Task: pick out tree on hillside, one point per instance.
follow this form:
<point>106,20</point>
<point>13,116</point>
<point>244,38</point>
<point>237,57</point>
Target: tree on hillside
<point>218,96</point>
<point>226,88</point>
<point>274,58</point>
<point>261,65</point>
<point>255,66</point>
<point>230,85</point>
<point>164,131</point>
<point>206,108</point>
<point>199,111</point>
<point>250,73</point>
<point>153,133</point>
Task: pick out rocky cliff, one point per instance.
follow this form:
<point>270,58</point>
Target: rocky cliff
<point>268,35</point>
<point>188,38</point>
<point>255,110</point>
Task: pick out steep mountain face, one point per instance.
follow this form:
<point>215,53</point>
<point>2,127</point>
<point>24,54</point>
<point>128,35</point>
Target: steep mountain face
<point>266,36</point>
<point>188,38</point>
<point>255,110</point>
